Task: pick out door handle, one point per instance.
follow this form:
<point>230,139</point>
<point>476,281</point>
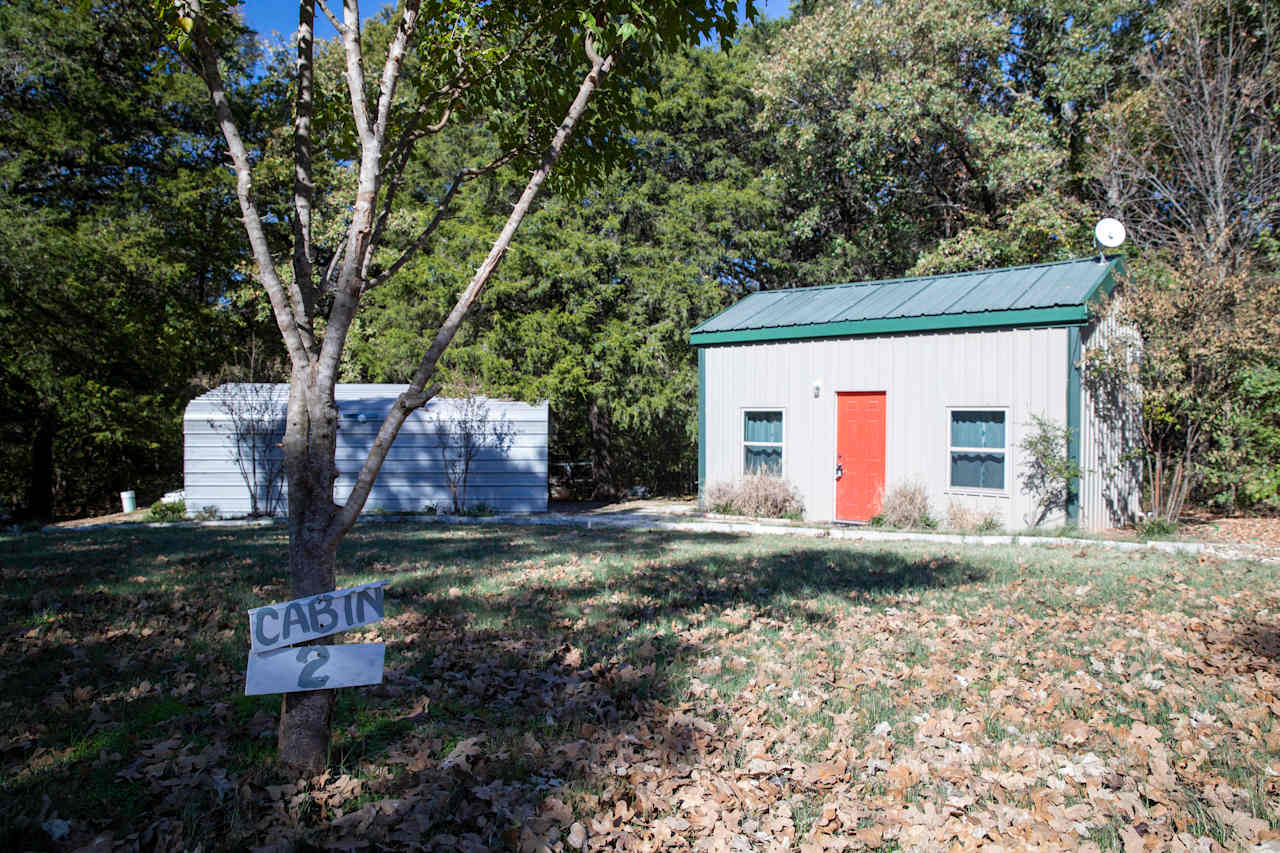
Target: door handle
<point>839,470</point>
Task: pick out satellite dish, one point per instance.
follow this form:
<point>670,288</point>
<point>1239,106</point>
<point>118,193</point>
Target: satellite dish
<point>1109,232</point>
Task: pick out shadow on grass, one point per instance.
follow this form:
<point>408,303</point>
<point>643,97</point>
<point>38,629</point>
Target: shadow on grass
<point>499,691</point>
<point>1262,642</point>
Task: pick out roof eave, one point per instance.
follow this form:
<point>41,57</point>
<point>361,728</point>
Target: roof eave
<point>1107,281</point>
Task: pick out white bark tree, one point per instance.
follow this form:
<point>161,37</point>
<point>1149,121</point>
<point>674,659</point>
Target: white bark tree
<point>446,61</point>
<point>1191,161</point>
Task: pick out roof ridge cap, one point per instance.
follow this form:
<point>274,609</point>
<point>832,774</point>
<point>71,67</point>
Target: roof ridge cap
<point>905,279</point>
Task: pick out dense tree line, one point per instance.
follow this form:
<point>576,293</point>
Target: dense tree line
<point>851,141</point>
<point>117,257</point>
<point>592,307</point>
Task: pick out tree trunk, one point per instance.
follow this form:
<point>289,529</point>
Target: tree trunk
<point>305,717</point>
<point>40,485</point>
<point>605,487</point>
<point>310,445</point>
<point>316,524</point>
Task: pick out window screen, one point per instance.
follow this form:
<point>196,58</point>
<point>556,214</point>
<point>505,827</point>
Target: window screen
<point>977,449</point>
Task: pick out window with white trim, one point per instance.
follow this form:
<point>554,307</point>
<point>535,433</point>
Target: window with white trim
<point>978,449</point>
<point>762,442</point>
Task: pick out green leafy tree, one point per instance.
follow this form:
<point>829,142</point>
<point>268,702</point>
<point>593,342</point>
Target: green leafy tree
<point>944,135</point>
<point>1192,160</point>
<point>1049,472</point>
<point>114,252</point>
<point>1242,467</point>
<point>1196,341</point>
<point>592,308</point>
<point>534,74</point>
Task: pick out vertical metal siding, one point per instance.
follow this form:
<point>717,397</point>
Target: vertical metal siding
<point>1110,420</point>
<point>922,374</point>
<point>1075,359</point>
<point>412,477</point>
<point>702,424</point>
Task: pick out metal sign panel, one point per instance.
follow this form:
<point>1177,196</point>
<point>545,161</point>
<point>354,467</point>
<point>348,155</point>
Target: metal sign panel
<point>314,668</point>
<point>292,622</point>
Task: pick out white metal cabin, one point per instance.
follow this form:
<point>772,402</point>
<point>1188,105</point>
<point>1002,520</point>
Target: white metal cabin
<point>850,390</point>
<point>412,476</point>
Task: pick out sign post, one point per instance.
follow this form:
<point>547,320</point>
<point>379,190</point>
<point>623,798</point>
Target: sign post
<point>278,664</point>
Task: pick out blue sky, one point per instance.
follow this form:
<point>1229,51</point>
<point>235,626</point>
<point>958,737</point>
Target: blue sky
<point>267,16</point>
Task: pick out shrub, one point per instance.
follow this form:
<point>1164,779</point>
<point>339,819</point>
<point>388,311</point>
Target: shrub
<point>172,511</point>
<point>723,498</point>
<point>759,495</point>
<point>1242,467</point>
<point>990,524</point>
<point>208,513</point>
<point>1155,527</point>
<point>1050,471</point>
<point>969,520</point>
<point>961,517</point>
<point>907,505</point>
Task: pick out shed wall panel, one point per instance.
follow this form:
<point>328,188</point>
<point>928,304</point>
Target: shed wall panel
<point>412,477</point>
<point>1110,425</point>
<point>922,375</point>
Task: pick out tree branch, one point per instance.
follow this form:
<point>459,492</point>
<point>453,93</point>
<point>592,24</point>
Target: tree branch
<point>304,289</point>
<point>333,19</point>
<point>494,164</point>
<point>421,240</point>
<point>414,397</point>
<point>360,232</point>
<point>396,164</point>
<point>327,282</point>
<point>414,131</point>
<point>355,68</point>
<point>391,68</point>
<point>268,276</point>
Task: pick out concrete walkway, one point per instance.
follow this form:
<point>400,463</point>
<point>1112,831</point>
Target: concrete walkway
<point>682,516</point>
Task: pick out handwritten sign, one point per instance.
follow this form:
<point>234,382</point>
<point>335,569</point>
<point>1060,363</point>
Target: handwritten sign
<point>297,668</point>
<point>279,664</point>
<point>291,622</point>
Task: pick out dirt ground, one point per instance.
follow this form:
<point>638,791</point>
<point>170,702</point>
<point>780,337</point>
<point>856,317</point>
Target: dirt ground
<point>1256,532</point>
<point>1254,535</point>
<point>630,506</point>
<point>139,514</point>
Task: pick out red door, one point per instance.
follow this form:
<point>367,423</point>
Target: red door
<point>860,417</point>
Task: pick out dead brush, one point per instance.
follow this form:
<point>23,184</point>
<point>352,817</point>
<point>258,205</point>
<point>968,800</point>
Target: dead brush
<point>758,495</point>
<point>961,517</point>
<point>968,520</point>
<point>907,505</point>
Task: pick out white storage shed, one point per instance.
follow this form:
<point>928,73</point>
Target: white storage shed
<point>850,390</point>
<point>507,480</point>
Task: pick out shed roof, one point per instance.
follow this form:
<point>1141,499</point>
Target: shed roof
<point>353,399</point>
<point>1052,294</point>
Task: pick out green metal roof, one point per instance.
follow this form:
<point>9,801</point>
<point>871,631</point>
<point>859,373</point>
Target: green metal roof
<point>1053,294</point>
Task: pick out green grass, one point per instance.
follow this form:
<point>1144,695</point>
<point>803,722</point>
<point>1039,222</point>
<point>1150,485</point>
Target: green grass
<point>574,653</point>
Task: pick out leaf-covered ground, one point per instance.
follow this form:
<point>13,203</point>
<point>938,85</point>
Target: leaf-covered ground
<point>567,689</point>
